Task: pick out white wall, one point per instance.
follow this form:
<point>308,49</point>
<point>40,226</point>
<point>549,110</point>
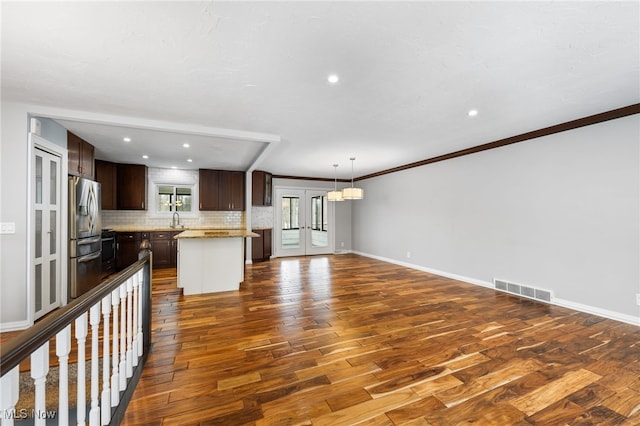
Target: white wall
<point>559,213</point>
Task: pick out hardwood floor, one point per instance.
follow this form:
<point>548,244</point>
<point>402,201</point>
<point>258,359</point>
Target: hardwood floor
<point>344,340</point>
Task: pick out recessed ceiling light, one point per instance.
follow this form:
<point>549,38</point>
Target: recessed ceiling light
<point>333,79</point>
<point>472,112</point>
<point>126,139</point>
<point>186,145</point>
<point>189,160</point>
<point>145,156</point>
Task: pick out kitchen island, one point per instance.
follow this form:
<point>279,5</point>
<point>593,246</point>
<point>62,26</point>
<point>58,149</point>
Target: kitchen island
<point>211,260</point>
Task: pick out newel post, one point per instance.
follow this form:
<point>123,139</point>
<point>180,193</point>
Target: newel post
<point>145,293</point>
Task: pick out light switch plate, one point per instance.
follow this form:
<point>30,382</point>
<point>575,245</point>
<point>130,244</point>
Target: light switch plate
<point>7,228</point>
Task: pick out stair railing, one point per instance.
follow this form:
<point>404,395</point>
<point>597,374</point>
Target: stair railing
<point>115,317</point>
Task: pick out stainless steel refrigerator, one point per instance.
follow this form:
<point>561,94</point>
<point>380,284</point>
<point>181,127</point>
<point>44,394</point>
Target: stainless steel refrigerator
<point>85,242</point>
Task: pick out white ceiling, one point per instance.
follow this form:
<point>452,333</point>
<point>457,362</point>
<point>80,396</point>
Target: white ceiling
<point>409,72</point>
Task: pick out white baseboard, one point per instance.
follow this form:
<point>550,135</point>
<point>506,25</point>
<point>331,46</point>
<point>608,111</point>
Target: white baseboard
<point>429,270</point>
<point>342,252</point>
<point>597,311</point>
<point>14,326</point>
<point>605,313</point>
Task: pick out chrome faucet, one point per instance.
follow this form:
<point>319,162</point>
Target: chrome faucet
<point>174,223</point>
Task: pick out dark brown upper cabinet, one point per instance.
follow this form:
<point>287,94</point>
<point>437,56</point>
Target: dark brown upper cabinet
<point>261,188</point>
<point>107,175</point>
<point>221,190</point>
<point>81,156</point>
<point>208,189</point>
<point>132,187</point>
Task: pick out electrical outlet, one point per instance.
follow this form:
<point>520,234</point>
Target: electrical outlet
<point>7,228</point>
<point>638,299</point>
<point>341,243</point>
<point>408,255</point>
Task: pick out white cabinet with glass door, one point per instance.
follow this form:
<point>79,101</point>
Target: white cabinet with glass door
<point>46,244</point>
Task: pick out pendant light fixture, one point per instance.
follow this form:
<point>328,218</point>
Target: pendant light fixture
<point>335,195</point>
<point>351,193</point>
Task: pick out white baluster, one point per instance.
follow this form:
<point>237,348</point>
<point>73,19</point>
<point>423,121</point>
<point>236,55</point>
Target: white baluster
<point>39,371</point>
<point>123,337</point>
<point>63,347</point>
<point>135,319</point>
<point>105,409</point>
<point>81,339</point>
<point>115,380</point>
<point>140,337</point>
<point>10,386</point>
<point>94,320</point>
<point>129,357</point>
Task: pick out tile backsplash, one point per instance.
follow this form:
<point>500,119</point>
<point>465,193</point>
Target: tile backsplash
<point>121,219</point>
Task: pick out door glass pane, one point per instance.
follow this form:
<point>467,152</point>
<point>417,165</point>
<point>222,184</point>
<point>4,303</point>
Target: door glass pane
<point>319,235</point>
<point>38,180</point>
<point>53,177</point>
<point>290,222</point>
<point>38,233</point>
<point>52,281</point>
<point>52,232</point>
<point>295,212</point>
<point>38,287</point>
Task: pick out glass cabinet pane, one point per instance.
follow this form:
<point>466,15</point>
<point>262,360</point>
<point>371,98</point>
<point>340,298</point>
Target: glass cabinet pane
<point>38,234</point>
<point>52,232</point>
<point>53,178</point>
<point>38,188</point>
<point>53,274</point>
<point>38,286</point>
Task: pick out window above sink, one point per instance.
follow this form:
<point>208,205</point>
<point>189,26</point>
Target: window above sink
<point>172,198</point>
<point>173,191</point>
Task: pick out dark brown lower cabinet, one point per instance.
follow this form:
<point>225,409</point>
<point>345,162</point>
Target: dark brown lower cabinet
<point>261,247</point>
<point>128,248</point>
<point>163,246</point>
<point>165,249</point>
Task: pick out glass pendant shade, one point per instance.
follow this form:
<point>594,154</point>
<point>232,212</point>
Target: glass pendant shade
<point>351,193</point>
<point>334,196</point>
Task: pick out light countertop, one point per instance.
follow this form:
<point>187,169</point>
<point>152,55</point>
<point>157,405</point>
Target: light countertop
<point>216,233</point>
<point>143,228</point>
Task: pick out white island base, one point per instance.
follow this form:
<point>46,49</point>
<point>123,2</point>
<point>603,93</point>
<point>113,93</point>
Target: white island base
<point>210,262</point>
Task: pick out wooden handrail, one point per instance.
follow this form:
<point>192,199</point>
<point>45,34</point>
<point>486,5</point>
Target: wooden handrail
<point>23,345</point>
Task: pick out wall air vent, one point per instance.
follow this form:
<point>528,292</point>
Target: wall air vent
<point>528,291</point>
<point>522,290</point>
<point>543,295</point>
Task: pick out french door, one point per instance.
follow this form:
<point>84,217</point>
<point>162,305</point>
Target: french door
<point>304,222</point>
<point>46,247</point>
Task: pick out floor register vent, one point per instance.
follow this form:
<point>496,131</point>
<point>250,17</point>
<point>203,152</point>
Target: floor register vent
<point>522,290</point>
